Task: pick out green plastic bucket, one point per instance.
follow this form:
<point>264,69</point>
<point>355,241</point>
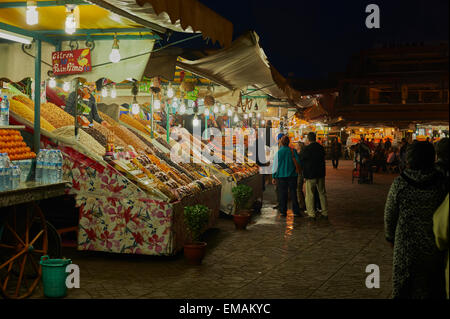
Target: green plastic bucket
<point>54,276</point>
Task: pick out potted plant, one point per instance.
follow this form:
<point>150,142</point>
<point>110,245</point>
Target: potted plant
<point>196,219</point>
<point>241,196</point>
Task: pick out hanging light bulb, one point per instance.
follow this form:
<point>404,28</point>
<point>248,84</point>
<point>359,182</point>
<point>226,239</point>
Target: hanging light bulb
<point>222,107</point>
<point>245,116</point>
<point>258,115</point>
<point>135,106</point>
<point>216,109</point>
<point>66,86</point>
<point>52,83</point>
<point>170,91</point>
<point>71,24</point>
<point>250,114</point>
<point>104,92</point>
<point>206,112</point>
<point>174,104</point>
<point>182,108</point>
<point>114,56</point>
<point>114,92</point>
<point>157,104</point>
<point>236,118</point>
<point>195,121</point>
<point>263,122</point>
<point>230,113</point>
<point>32,14</point>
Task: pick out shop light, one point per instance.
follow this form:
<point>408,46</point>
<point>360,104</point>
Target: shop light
<point>15,37</point>
<point>222,107</point>
<point>32,14</point>
<point>66,86</point>
<point>263,122</point>
<point>206,111</point>
<point>71,24</point>
<point>230,112</point>
<point>245,116</point>
<point>174,104</point>
<point>236,118</point>
<point>135,108</point>
<point>114,56</point>
<point>157,104</point>
<point>52,83</point>
<point>113,92</point>
<point>195,121</point>
<point>104,92</point>
<point>250,114</point>
<point>216,109</point>
<point>170,92</point>
<point>182,108</point>
<point>201,101</point>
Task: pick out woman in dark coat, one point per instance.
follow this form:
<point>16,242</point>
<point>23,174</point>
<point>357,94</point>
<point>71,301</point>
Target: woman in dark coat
<point>412,200</point>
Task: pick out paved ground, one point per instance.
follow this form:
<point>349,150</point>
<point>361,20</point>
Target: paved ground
<point>275,258</point>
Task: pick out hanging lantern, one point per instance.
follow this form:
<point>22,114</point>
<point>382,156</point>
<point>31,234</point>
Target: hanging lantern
<point>209,100</point>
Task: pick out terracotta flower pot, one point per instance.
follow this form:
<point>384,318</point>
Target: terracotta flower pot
<point>242,219</point>
<point>194,253</point>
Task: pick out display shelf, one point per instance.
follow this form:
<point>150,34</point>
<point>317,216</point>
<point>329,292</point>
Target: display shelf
<point>12,127</point>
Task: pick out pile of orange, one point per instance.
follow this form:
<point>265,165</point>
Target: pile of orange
<point>11,142</point>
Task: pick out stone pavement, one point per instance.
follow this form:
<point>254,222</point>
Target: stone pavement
<point>275,257</point>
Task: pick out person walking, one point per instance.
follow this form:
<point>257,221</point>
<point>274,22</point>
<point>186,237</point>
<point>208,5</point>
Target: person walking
<point>413,198</point>
<point>285,176</point>
<point>300,181</point>
<point>440,228</point>
<point>312,160</point>
<point>336,152</point>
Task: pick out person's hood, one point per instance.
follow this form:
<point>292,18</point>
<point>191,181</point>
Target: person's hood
<point>420,178</point>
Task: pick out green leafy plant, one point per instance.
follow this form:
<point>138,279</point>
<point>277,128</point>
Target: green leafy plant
<point>241,196</point>
<point>196,218</point>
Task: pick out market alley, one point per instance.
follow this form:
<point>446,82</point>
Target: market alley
<point>274,258</point>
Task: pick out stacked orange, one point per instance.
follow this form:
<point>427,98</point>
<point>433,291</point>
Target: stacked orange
<point>11,142</point>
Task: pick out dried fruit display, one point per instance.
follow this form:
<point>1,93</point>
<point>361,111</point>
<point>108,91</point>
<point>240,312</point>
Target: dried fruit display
<point>128,137</point>
<point>24,100</point>
<point>84,138</point>
<point>56,115</point>
<point>99,137</point>
<point>108,119</point>
<point>128,119</point>
<point>28,114</point>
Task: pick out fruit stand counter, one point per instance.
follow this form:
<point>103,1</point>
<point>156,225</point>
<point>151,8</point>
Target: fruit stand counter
<point>23,237</point>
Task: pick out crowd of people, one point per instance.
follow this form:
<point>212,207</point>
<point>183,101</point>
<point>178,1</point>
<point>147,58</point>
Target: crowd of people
<point>416,210</point>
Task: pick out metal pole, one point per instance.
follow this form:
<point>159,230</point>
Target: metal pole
<point>37,97</point>
<point>167,121</point>
<point>76,108</point>
<point>151,123</point>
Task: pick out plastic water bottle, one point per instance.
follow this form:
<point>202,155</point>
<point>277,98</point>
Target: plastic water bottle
<point>40,165</point>
<point>7,178</point>
<point>59,171</point>
<point>52,160</point>
<point>15,177</point>
<point>4,111</point>
<point>46,168</point>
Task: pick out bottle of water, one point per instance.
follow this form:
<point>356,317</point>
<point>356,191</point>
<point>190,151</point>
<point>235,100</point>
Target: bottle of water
<point>59,171</point>
<point>7,179</point>
<point>15,177</point>
<point>40,165</point>
<point>4,111</point>
<point>46,167</point>
<point>52,160</point>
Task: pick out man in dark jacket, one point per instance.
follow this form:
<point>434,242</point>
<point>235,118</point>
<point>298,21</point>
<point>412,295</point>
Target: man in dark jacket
<point>88,98</point>
<point>312,160</point>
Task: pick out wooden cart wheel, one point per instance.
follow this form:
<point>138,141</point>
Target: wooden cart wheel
<point>23,242</point>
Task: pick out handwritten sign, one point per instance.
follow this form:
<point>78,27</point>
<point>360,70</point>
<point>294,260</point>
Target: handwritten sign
<point>71,62</point>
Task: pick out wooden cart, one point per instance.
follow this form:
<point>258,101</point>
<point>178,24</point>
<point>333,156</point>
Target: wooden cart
<point>24,237</point>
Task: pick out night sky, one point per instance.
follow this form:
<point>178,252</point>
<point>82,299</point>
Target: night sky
<point>309,39</point>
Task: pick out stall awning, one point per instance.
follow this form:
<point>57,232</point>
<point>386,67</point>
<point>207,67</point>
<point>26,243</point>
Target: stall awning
<point>240,66</point>
<point>177,15</point>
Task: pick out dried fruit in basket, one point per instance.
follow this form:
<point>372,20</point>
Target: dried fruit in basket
<point>84,139</point>
<point>126,118</point>
<point>128,137</point>
<point>56,115</point>
<point>108,133</point>
<point>108,119</point>
<point>26,113</point>
<point>24,100</point>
